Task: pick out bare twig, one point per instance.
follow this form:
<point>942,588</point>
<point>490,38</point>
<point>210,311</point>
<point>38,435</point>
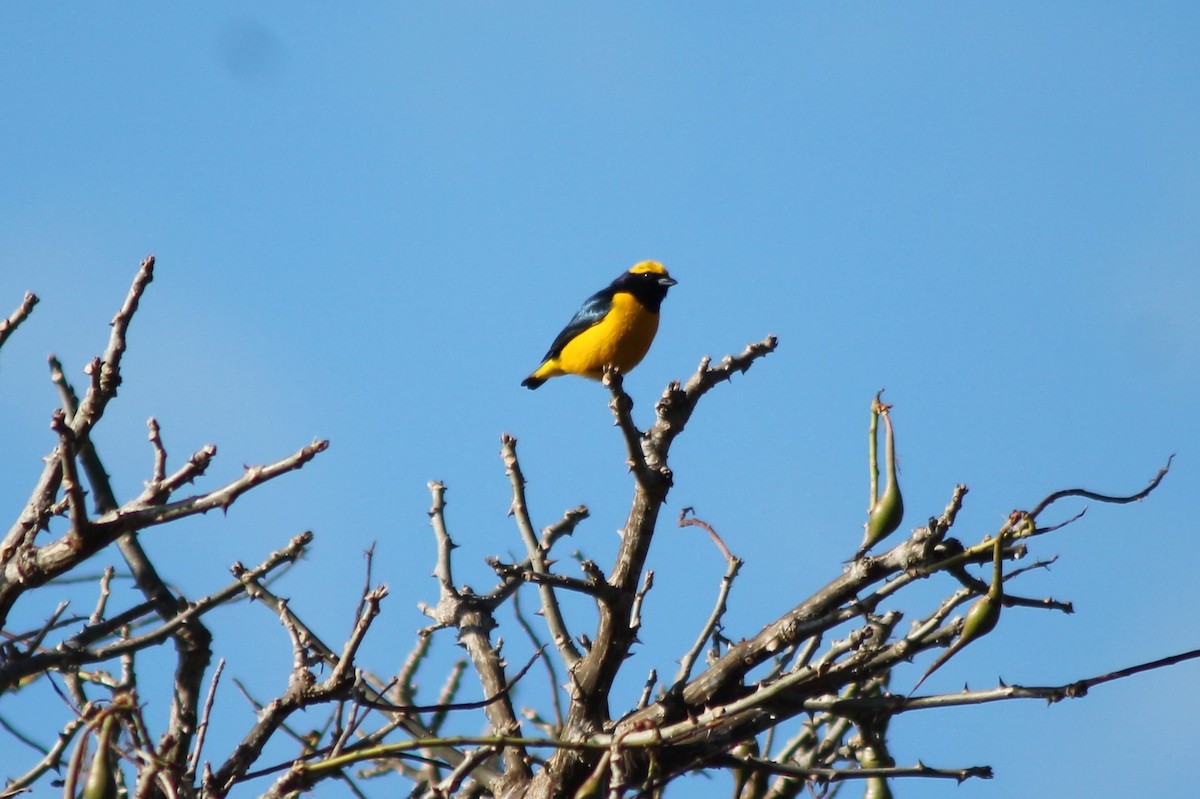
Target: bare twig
<point>635,612</point>
<point>691,521</point>
<point>102,600</point>
<point>594,586</point>
<point>202,727</point>
<point>342,672</point>
<point>445,699</point>
<point>437,519</point>
<point>106,373</point>
<point>1117,499</point>
<point>714,621</point>
<point>160,452</point>
<point>550,671</point>
<point>70,476</point>
<point>622,409</point>
<point>647,689</point>
<point>453,780</point>
<point>52,760</point>
<point>520,511</point>
<point>564,526</point>
<point>1053,527</point>
<point>9,326</point>
<point>36,642</point>
<point>156,493</point>
<point>221,498</point>
<point>838,775</point>
<point>23,738</point>
<point>404,682</point>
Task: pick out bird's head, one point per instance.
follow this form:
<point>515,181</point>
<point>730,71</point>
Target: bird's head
<point>652,272</point>
<point>648,281</point>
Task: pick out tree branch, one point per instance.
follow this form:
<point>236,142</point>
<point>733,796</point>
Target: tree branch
<point>714,620</point>
<point>60,556</point>
<point>471,616</point>
<point>78,650</point>
<point>9,326</point>
<point>1116,500</point>
<point>537,562</point>
<point>107,377</point>
<point>622,410</point>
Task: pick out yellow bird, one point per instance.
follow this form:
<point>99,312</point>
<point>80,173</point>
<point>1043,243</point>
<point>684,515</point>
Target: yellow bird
<point>613,328</point>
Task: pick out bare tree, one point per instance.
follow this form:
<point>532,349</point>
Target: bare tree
<point>804,704</point>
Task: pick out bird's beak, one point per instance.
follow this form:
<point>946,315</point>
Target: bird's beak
<point>666,281</point>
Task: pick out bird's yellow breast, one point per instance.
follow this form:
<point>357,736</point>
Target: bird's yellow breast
<point>620,339</point>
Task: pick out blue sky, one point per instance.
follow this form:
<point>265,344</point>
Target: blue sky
<point>371,222</point>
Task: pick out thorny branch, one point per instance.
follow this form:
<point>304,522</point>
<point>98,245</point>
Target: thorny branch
<point>26,565</point>
<point>191,638</point>
<point>802,702</point>
<point>79,649</point>
<point>30,566</point>
<point>472,617</point>
<point>714,619</point>
<point>537,560</point>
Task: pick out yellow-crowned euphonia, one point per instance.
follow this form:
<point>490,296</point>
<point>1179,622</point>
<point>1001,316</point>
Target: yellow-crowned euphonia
<point>613,328</point>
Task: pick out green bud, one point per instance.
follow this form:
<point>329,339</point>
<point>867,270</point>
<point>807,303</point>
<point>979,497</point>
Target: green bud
<point>981,619</point>
<point>886,512</point>
<point>983,615</point>
<point>102,776</point>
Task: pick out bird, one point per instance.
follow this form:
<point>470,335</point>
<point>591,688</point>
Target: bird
<point>613,328</point>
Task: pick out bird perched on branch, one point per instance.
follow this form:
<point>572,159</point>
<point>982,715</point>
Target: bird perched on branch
<point>613,328</point>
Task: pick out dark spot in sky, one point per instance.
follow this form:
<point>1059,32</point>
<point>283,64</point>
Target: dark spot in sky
<point>248,49</point>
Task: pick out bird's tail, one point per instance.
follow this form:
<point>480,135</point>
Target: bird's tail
<point>532,382</point>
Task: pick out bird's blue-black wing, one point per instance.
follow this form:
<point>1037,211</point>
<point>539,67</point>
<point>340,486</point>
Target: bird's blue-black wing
<point>593,310</point>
